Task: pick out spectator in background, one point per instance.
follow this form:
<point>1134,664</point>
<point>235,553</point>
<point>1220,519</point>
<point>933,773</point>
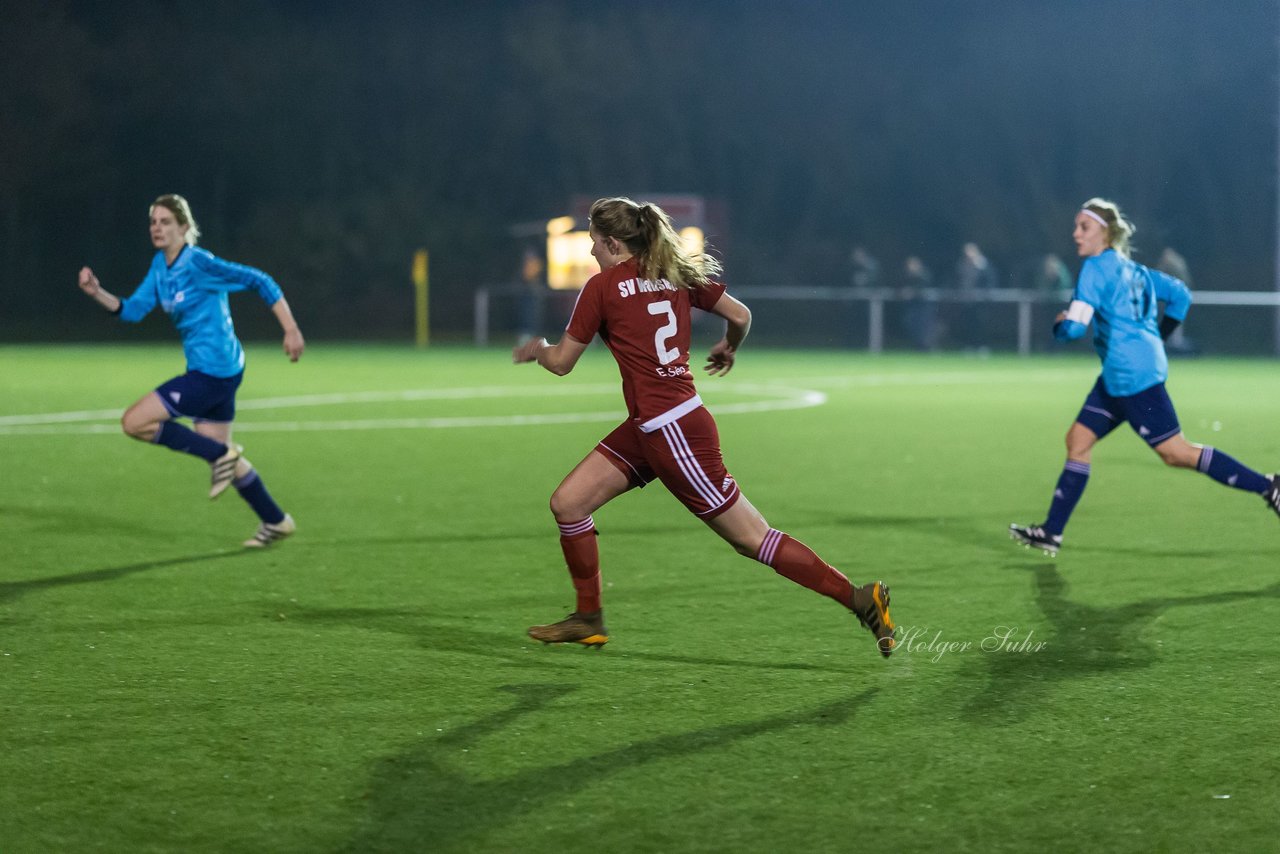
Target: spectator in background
<point>1051,276</point>
<point>975,275</point>
<point>864,268</point>
<point>533,294</point>
<point>1172,263</point>
<point>974,271</point>
<point>864,273</point>
<point>921,317</point>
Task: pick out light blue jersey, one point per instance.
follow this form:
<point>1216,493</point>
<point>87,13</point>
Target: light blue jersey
<point>193,291</point>
<point>1120,296</point>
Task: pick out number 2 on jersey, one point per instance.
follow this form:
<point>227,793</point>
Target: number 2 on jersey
<point>660,337</point>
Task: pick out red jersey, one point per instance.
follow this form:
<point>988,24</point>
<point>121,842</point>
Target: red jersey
<point>646,325</point>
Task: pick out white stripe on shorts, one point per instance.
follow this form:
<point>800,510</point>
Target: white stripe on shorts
<point>689,465</point>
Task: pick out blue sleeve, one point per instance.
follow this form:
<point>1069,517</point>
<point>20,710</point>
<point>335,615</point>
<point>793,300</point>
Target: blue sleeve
<point>1069,330</point>
<point>219,275</point>
<point>1091,284</point>
<point>1174,293</point>
<point>140,303</point>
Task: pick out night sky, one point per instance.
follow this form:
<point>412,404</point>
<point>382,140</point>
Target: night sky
<point>325,143</point>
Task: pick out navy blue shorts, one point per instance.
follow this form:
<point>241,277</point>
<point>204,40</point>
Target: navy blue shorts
<point>1149,412</point>
<point>201,397</point>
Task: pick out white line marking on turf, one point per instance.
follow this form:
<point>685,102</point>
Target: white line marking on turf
<point>913,378</point>
<point>61,423</point>
<point>795,398</point>
<point>333,399</point>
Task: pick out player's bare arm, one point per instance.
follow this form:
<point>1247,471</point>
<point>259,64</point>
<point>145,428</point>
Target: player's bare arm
<point>294,343</point>
<point>90,285</point>
<point>738,323</point>
<point>558,358</point>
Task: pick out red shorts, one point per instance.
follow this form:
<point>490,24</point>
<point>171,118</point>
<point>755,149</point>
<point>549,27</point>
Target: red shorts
<point>684,455</point>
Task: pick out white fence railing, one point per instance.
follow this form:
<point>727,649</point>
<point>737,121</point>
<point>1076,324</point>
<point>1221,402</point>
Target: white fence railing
<point>877,298</point>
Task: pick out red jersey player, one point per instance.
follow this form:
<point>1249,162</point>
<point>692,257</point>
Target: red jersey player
<point>639,304</point>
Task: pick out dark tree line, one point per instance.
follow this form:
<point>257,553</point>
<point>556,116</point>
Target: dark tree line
<point>325,142</point>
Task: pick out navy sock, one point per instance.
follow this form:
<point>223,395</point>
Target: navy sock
<point>178,438</point>
<point>1071,484</point>
<point>1229,471</point>
<point>254,492</point>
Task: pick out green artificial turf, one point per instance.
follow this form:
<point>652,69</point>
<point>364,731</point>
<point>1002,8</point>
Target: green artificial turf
<point>367,685</point>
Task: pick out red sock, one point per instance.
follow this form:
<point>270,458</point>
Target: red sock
<point>578,542</point>
<point>792,559</point>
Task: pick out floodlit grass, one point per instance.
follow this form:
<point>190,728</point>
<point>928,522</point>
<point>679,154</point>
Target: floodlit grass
<point>367,686</point>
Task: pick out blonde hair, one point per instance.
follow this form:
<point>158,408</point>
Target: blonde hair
<point>1119,229</point>
<point>181,211</point>
<point>646,231</point>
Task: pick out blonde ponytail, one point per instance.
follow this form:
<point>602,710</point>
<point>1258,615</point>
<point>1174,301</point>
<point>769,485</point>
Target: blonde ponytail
<point>646,231</point>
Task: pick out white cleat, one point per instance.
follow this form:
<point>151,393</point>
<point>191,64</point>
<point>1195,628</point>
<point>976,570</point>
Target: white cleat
<point>224,470</point>
<point>269,533</point>
<point>1272,495</point>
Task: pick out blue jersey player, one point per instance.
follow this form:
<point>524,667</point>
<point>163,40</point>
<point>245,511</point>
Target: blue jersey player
<point>191,286</point>
<point>1121,297</point>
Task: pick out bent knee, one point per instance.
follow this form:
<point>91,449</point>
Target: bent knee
<point>1078,446</point>
<point>138,428</point>
<point>1179,458</point>
<point>564,509</point>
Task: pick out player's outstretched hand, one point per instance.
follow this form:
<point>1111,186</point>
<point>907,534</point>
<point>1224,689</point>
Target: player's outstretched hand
<point>89,282</point>
<point>720,361</point>
<point>528,351</point>
<point>294,344</point>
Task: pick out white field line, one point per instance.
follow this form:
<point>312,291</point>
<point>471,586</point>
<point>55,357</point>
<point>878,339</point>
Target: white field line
<point>61,423</point>
<point>943,378</point>
<point>331,400</point>
<point>779,395</point>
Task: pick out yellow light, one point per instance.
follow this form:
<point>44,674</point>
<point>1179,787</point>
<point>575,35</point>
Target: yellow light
<point>693,238</point>
<point>569,260</point>
<point>560,225</point>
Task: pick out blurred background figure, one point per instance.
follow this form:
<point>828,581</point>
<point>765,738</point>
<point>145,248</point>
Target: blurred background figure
<point>1172,263</point>
<point>864,268</point>
<point>1051,276</point>
<point>533,293</point>
<point>975,275</point>
<point>921,318</point>
<point>974,271</point>
<point>864,272</point>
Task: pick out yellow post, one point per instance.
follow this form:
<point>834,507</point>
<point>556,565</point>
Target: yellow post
<point>420,288</point>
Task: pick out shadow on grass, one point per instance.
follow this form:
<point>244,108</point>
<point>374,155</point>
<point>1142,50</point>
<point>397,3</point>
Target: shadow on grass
<point>61,520</point>
<point>1086,640</point>
<point>977,530</point>
<point>971,530</point>
<point>425,800</point>
<point>10,590</point>
<point>451,634</point>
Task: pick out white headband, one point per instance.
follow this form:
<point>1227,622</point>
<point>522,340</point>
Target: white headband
<point>1091,215</point>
